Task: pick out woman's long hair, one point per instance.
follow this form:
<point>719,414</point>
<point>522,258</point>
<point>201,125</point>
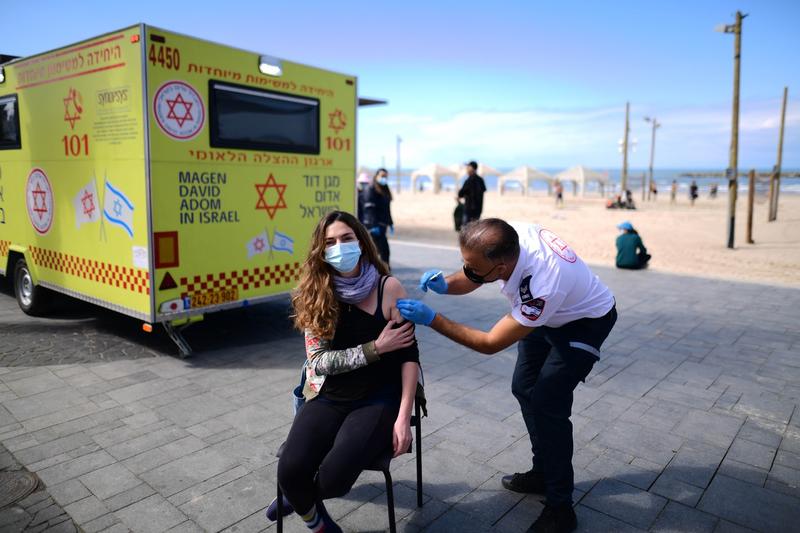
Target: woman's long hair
<point>381,189</point>
<point>315,306</point>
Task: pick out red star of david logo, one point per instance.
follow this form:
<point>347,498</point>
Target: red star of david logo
<point>262,188</point>
<point>337,121</point>
<point>87,201</point>
<point>39,200</point>
<point>187,110</point>
<point>258,244</point>
<point>73,107</point>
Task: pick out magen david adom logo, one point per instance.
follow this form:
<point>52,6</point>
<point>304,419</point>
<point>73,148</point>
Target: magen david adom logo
<point>179,110</point>
<point>39,200</point>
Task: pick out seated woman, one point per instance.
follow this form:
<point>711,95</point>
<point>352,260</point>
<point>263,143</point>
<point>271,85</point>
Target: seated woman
<point>361,375</point>
<point>631,253</point>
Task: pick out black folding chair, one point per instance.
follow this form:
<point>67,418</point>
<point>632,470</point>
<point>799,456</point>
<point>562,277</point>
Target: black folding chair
<point>381,464</point>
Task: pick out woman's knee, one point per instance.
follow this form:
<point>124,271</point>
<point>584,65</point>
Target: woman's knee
<point>335,481</point>
<point>293,470</point>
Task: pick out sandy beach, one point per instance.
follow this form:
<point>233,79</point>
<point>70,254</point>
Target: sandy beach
<point>682,239</point>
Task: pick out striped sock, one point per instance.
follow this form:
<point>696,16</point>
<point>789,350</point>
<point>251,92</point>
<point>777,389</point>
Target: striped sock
<point>313,520</point>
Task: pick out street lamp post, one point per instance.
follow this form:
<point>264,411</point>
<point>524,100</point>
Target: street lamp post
<point>624,178</point>
<point>733,170</point>
<point>656,125</point>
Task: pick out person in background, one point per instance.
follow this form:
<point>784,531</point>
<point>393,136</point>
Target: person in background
<point>629,203</point>
<point>559,190</point>
<point>654,190</point>
<point>376,213</point>
<point>713,192</point>
<point>631,253</point>
<point>362,183</point>
<point>693,192</point>
<point>673,192</point>
<point>361,371</point>
<point>472,192</point>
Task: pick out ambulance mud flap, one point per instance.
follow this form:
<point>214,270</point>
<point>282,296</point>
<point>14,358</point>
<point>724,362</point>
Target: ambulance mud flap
<point>175,331</point>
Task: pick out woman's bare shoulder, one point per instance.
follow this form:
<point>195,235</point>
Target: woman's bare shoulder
<point>394,289</point>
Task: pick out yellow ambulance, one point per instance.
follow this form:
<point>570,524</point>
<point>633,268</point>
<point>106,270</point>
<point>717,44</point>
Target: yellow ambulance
<point>164,176</point>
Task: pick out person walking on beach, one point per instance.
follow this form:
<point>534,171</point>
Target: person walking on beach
<point>631,253</point>
<point>376,213</point>
<point>673,192</point>
<point>693,192</point>
<point>472,192</point>
<point>713,191</point>
<point>559,190</point>
<point>561,313</point>
<point>654,190</point>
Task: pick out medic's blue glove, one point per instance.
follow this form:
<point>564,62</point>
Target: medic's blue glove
<point>433,280</point>
<point>375,231</point>
<point>416,311</point>
<point>391,230</point>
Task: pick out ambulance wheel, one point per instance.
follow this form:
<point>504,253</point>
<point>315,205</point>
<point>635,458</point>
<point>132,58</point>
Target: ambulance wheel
<point>31,298</point>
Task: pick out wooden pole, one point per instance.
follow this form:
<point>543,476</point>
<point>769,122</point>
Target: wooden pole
<point>733,165</point>
<point>773,204</point>
<point>652,155</point>
<point>644,183</point>
<point>751,194</point>
<point>397,165</point>
<point>624,179</point>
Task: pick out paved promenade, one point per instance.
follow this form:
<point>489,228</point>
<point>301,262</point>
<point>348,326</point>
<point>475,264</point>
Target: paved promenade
<point>690,422</point>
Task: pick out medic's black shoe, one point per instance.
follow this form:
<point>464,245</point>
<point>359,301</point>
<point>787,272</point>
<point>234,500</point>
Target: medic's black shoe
<point>555,519</point>
<point>527,482</point>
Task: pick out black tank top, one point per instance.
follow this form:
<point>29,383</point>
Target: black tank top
<point>381,380</point>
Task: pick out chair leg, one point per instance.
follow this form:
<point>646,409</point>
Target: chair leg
<point>390,501</point>
<point>280,509</point>
<point>419,459</point>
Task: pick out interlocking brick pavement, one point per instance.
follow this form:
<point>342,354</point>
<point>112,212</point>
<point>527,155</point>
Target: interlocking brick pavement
<point>690,421</point>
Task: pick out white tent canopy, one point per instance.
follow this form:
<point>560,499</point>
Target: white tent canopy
<point>483,171</point>
<point>524,175</point>
<point>435,172</point>
<point>580,175</point>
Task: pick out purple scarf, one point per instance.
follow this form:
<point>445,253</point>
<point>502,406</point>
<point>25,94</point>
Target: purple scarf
<point>354,290</point>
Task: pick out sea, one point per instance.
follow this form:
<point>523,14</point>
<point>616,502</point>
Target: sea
<point>662,176</point>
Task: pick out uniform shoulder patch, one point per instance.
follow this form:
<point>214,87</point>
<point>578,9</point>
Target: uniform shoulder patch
<point>525,294</point>
<point>557,244</point>
<point>530,307</point>
<point>533,309</point>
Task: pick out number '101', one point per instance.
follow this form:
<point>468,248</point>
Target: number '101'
<point>75,145</point>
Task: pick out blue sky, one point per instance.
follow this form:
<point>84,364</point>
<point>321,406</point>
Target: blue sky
<point>508,83</point>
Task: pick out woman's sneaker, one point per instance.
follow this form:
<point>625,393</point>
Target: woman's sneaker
<point>272,510</point>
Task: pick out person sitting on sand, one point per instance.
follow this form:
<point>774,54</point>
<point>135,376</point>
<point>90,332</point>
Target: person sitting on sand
<point>631,253</point>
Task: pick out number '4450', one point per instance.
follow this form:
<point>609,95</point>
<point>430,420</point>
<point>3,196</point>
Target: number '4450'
<point>75,146</point>
<point>166,56</point>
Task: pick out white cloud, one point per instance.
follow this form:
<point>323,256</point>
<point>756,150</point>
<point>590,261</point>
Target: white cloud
<point>553,138</point>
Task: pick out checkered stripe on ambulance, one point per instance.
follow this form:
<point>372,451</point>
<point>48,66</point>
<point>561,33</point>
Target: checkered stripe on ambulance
<point>551,285</point>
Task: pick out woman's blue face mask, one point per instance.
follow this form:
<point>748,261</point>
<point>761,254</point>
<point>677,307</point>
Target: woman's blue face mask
<point>343,256</point>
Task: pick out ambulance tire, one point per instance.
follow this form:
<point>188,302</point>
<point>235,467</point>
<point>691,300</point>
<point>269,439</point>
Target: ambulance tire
<point>32,299</point>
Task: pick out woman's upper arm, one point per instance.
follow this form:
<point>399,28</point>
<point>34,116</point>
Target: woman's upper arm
<point>393,291</point>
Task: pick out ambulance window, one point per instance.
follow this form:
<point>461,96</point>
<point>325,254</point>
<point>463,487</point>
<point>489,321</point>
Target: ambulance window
<point>247,118</point>
<point>9,123</point>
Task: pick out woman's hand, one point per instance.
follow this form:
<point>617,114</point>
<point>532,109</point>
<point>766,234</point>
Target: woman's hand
<point>393,339</point>
<point>401,436</point>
